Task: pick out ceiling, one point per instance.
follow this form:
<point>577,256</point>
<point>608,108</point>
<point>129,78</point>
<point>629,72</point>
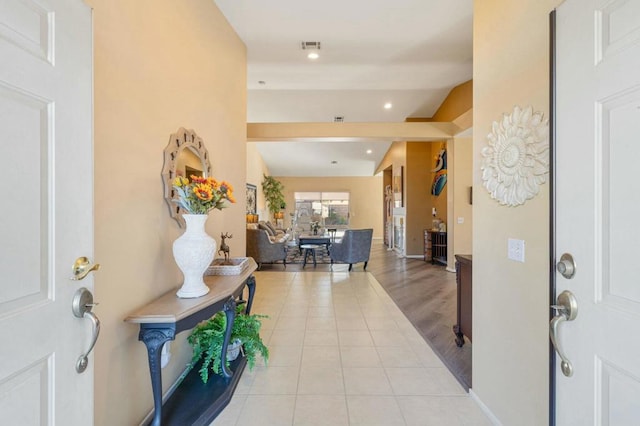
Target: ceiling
<point>410,53</point>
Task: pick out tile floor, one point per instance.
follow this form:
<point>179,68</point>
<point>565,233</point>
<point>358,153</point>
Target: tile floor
<point>342,353</point>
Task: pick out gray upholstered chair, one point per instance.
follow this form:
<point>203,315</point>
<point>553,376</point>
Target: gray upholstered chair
<point>355,247</point>
<point>260,247</point>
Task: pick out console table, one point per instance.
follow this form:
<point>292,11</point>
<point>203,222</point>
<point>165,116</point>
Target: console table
<point>464,266</point>
<point>193,402</point>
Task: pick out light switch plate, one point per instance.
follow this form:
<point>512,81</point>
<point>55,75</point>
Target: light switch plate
<point>515,249</point>
<point>460,220</point>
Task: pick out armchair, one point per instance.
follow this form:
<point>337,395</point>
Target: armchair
<point>355,247</point>
<point>263,250</point>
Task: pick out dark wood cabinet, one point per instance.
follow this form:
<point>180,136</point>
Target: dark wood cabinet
<point>463,280</point>
<point>435,247</point>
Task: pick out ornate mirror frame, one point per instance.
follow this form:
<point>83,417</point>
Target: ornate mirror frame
<point>182,139</point>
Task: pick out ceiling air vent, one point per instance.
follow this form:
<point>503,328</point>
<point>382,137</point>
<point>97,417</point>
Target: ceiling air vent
<point>338,119</point>
<point>314,45</point>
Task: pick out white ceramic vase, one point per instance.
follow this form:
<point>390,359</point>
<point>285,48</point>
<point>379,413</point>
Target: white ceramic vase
<point>193,251</point>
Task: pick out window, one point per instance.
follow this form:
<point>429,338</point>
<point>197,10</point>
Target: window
<point>331,209</point>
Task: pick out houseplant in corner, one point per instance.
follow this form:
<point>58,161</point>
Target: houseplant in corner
<point>272,189</point>
<point>194,250</point>
<point>207,337</point>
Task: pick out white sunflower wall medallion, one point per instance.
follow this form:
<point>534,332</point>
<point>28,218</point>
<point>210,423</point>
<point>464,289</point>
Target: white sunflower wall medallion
<point>516,158</point>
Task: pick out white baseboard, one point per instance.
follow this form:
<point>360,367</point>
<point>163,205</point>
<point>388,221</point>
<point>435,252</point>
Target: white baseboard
<point>451,270</point>
<point>492,418</point>
<point>415,256</point>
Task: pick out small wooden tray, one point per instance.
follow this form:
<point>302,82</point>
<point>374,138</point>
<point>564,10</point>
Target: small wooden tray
<point>235,266</point>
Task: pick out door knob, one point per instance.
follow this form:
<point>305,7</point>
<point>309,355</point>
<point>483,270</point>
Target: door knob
<point>81,307</point>
<point>566,266</point>
<point>82,267</point>
<point>567,308</point>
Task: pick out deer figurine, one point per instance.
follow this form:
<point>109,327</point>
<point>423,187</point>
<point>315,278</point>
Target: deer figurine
<point>224,248</point>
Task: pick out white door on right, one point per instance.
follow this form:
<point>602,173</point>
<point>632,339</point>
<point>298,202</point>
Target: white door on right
<point>598,208</point>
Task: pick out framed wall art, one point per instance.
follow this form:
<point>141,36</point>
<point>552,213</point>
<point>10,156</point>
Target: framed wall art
<point>252,194</point>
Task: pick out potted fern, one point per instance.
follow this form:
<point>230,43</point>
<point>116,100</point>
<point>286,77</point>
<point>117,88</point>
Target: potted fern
<point>207,337</point>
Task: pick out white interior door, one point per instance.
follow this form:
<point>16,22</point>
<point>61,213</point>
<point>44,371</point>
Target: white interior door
<point>47,209</point>
<point>598,208</point>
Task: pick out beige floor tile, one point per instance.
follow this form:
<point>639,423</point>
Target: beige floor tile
<point>427,357</point>
<point>359,356</point>
<point>388,338</point>
<point>398,356</point>
<point>265,334</point>
<point>296,309</point>
<point>320,410</point>
<point>382,323</point>
<point>417,381</point>
<point>287,338</point>
<point>374,411</point>
<point>321,299</point>
<point>321,338</point>
<point>245,382</point>
<point>355,338</point>
<point>283,356</point>
<point>321,323</point>
<point>291,323</point>
<point>267,410</point>
<point>428,411</point>
<point>366,381</point>
<point>275,381</point>
<point>229,416</point>
<point>375,370</point>
<point>268,322</point>
<point>447,384</point>
<point>348,323</point>
<point>320,381</point>
<point>468,411</point>
<point>321,356</point>
<point>320,311</point>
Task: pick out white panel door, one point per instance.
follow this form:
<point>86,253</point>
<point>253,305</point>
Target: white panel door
<point>46,187</point>
<point>598,208</point>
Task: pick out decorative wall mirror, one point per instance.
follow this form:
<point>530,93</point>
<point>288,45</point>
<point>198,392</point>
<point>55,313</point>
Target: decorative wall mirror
<point>185,155</point>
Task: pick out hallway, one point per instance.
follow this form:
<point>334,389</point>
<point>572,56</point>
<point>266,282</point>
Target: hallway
<point>342,353</point>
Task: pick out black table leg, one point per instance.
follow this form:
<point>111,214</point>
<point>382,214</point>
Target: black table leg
<point>154,339</point>
<point>251,285</point>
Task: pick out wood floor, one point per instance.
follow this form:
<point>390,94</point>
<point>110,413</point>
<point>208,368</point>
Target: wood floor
<point>425,293</point>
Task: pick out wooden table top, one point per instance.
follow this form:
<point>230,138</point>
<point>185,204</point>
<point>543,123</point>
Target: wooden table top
<point>169,308</point>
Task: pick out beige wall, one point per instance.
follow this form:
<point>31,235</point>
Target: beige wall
<point>364,203</point>
<point>458,102</point>
<point>421,159</point>
<point>510,299</point>
<point>462,171</point>
<point>159,65</point>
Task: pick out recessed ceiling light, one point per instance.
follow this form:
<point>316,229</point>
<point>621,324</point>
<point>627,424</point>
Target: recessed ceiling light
<point>369,151</point>
<point>262,82</point>
<point>388,105</point>
<point>313,55</point>
<point>334,162</point>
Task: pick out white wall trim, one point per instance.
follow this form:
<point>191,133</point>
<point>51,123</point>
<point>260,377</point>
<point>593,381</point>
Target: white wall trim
<point>451,270</point>
<point>492,418</point>
<point>415,256</point>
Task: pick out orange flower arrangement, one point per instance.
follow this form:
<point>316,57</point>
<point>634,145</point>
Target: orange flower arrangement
<point>202,194</point>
